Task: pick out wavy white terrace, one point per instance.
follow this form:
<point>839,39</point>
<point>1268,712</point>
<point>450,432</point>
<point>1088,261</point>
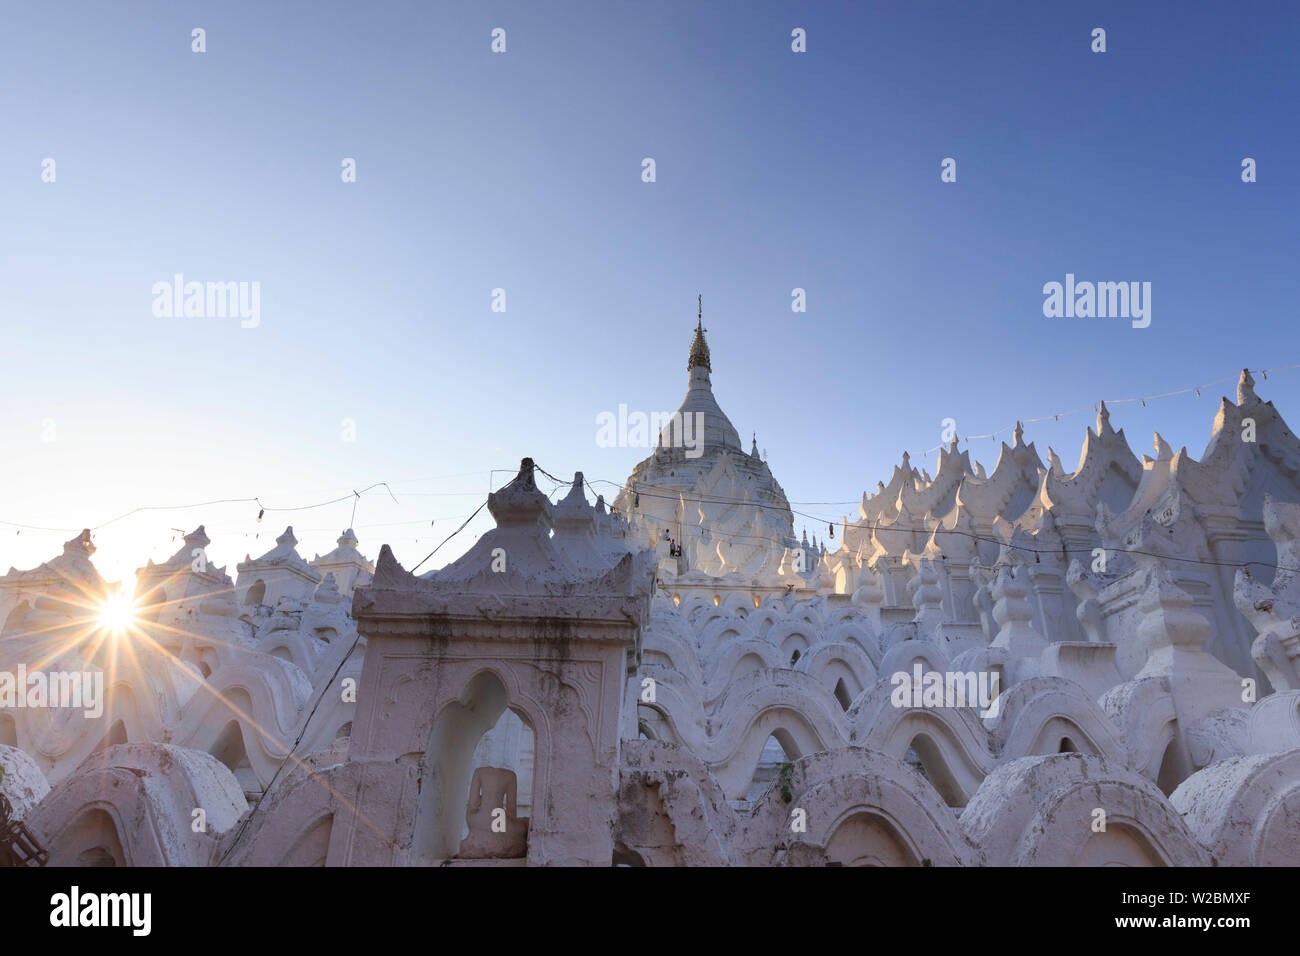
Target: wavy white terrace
<point>667,679</point>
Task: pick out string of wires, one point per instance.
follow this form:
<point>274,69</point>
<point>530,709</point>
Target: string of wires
<point>877,528</point>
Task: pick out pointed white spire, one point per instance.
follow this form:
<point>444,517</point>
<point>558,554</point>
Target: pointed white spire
<point>1103,420</point>
<point>1054,462</point>
<point>1246,389</point>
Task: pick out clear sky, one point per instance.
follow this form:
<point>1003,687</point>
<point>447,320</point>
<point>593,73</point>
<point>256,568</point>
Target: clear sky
<point>522,171</point>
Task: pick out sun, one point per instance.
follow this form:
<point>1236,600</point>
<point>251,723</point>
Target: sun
<point>116,613</point>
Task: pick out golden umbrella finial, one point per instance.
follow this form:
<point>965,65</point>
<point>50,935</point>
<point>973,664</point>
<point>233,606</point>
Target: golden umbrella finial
<point>699,348</point>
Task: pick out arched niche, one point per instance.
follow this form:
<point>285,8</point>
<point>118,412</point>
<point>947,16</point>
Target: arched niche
<point>509,744</point>
<point>868,839</point>
<point>230,749</point>
<point>449,765</point>
<point>1174,768</point>
<point>16,622</point>
<point>1119,845</point>
<point>779,749</point>
<point>926,755</point>
<point>842,695</point>
<point>91,840</point>
<point>256,594</point>
<point>312,846</point>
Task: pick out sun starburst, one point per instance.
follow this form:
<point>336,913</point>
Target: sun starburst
<point>116,613</point>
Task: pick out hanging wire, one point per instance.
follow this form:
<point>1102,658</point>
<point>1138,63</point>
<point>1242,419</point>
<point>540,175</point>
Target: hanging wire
<point>462,527</point>
<point>1143,399</point>
<point>877,528</point>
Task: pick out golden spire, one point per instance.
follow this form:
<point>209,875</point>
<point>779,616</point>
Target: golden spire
<point>699,348</point>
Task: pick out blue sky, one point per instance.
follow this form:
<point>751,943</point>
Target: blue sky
<point>522,171</point>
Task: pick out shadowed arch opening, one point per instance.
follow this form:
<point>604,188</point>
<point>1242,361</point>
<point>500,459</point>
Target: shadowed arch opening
<point>1174,768</point>
<point>1120,845</point>
<point>925,756</point>
<point>230,750</point>
<point>653,724</point>
<point>748,664</point>
<point>91,840</point>
<point>779,750</point>
<point>625,857</point>
<point>256,594</point>
<point>116,735</point>
<point>16,622</point>
<point>794,647</point>
<point>96,856</point>
<point>842,694</point>
<point>509,745</point>
<point>868,839</point>
<point>311,848</point>
<point>455,819</point>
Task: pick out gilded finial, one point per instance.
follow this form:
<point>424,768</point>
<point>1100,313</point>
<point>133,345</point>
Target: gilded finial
<point>699,354</point>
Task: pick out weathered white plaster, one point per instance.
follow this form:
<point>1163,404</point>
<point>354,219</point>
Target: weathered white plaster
<point>622,703</point>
